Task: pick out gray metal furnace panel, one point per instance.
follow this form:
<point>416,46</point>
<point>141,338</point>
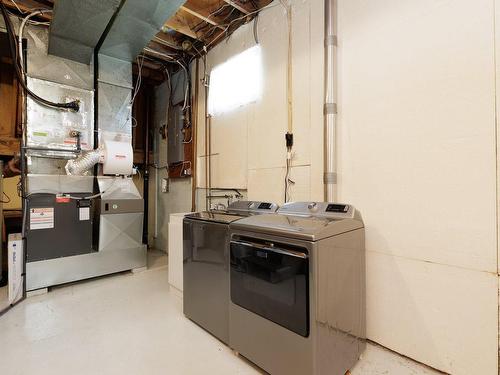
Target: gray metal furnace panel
<point>67,233</point>
<point>48,127</point>
<point>46,273</point>
<point>120,231</point>
<point>49,183</point>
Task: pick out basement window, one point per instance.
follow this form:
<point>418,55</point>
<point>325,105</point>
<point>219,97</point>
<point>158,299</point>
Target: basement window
<point>235,82</point>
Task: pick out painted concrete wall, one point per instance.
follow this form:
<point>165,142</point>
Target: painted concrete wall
<point>255,157</point>
<point>417,142</point>
<point>417,156</point>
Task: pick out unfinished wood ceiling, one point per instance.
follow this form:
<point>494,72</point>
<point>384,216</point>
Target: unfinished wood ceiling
<point>198,25</point>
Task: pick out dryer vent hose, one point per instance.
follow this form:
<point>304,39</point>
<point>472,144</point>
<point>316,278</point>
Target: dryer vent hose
<point>83,163</point>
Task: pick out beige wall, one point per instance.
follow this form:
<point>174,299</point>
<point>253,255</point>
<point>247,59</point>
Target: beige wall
<point>416,155</point>
<point>248,144</point>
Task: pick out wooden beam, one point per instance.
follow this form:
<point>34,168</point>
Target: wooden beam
<point>202,14</point>
<point>157,55</point>
<point>152,75</point>
<point>180,27</point>
<point>244,8</point>
<point>168,41</point>
<point>9,146</point>
<point>160,48</point>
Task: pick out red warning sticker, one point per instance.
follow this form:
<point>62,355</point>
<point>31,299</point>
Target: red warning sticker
<point>42,218</point>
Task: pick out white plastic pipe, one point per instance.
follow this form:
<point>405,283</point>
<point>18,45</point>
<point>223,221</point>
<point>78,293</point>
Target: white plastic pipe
<point>330,106</point>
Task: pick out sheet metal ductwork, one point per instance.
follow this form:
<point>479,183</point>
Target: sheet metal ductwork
<point>137,22</point>
<point>77,26</point>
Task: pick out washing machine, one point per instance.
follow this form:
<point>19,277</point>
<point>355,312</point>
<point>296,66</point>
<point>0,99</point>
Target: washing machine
<point>206,264</point>
<point>297,289</point>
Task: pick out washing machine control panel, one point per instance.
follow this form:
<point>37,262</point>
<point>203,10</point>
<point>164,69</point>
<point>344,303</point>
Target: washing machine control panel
<point>253,206</point>
<point>319,209</point>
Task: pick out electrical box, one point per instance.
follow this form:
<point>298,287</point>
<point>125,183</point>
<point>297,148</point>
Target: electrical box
<point>175,135</point>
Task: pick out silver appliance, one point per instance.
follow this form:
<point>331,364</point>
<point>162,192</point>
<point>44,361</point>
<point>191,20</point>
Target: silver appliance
<point>87,235</point>
<point>206,264</point>
<point>297,289</point>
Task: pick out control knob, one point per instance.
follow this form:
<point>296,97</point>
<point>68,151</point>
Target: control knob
<point>313,206</point>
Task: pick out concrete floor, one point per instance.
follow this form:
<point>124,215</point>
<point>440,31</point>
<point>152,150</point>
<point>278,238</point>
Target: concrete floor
<point>121,324</point>
<point>4,297</point>
<point>132,324</point>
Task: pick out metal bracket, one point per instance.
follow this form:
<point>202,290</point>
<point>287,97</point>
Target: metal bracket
<point>331,40</point>
<point>330,109</point>
<point>330,178</point>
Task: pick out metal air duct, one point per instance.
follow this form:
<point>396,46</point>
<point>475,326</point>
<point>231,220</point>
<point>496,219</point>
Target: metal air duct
<point>77,26</point>
<point>137,22</point>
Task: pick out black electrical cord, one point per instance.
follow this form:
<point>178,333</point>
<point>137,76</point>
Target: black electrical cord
<point>6,196</point>
<point>73,106</point>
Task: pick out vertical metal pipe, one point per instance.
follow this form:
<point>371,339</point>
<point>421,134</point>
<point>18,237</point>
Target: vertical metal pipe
<point>207,157</point>
<point>209,161</point>
<point>194,131</point>
<point>146,171</point>
<point>330,106</point>
<point>206,151</point>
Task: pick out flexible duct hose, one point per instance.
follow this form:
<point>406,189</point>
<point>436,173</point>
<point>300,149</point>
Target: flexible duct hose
<point>83,163</point>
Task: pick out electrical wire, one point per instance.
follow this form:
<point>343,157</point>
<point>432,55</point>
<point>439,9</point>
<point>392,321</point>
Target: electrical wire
<point>169,83</point>
<point>255,29</point>
<point>138,82</point>
<point>289,97</point>
<point>186,90</point>
<point>74,105</point>
<point>288,181</point>
<point>17,6</point>
<point>20,34</point>
<point>6,196</point>
<point>228,25</point>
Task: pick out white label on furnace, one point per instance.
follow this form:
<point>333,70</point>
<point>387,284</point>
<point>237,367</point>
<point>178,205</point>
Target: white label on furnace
<point>42,218</point>
<point>84,213</point>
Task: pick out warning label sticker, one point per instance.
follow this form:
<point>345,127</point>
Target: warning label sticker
<point>42,218</point>
<point>84,213</point>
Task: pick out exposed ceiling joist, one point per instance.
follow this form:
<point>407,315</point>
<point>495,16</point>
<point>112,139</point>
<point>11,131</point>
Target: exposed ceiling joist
<point>167,40</point>
<point>202,14</point>
<point>200,22</point>
<point>244,8</point>
<point>178,24</point>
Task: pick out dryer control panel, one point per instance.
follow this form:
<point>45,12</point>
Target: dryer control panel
<point>319,209</point>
